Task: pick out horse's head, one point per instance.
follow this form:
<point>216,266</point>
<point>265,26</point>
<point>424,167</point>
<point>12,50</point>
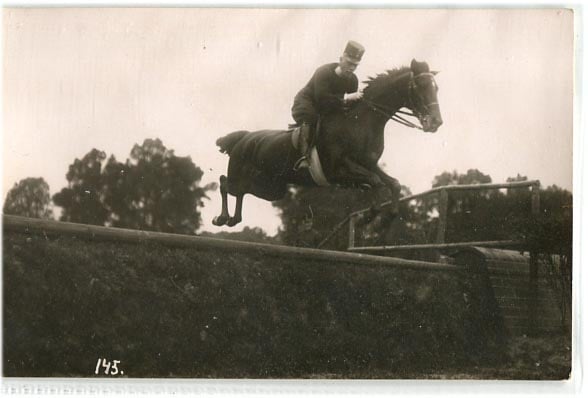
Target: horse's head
<point>413,88</point>
<point>422,96</point>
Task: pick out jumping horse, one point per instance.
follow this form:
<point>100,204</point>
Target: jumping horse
<point>349,144</point>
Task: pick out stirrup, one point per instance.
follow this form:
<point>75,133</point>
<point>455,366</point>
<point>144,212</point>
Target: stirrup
<point>301,163</point>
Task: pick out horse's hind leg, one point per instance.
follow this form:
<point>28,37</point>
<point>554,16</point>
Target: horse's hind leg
<point>224,217</point>
<point>236,219</point>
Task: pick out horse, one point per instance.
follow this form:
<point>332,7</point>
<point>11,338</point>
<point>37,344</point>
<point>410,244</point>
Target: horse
<point>349,144</point>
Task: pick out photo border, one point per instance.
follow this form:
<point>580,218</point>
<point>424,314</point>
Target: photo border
<point>249,387</point>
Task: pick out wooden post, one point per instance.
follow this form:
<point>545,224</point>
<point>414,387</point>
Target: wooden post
<point>534,263</point>
<point>443,199</point>
<point>535,201</point>
<point>533,293</point>
<point>442,227</point>
<point>351,242</point>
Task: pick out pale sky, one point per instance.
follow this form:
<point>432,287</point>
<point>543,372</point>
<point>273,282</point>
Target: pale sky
<point>77,79</point>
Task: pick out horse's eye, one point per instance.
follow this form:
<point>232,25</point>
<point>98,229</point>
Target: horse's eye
<point>425,84</point>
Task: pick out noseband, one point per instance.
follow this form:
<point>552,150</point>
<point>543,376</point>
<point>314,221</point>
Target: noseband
<point>415,112</point>
<point>412,94</point>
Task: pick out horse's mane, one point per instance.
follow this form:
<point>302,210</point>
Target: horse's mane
<point>383,81</point>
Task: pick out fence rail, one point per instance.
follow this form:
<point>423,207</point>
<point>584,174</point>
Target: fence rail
<point>440,246</point>
<point>469,187</point>
<point>93,232</point>
<point>443,193</point>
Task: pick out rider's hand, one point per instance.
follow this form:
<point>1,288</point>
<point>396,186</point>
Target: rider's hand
<point>352,96</point>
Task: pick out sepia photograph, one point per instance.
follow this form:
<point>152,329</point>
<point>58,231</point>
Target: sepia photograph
<point>288,193</point>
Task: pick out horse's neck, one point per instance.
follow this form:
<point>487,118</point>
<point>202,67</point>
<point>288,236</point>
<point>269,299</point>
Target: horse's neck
<point>378,111</point>
<point>371,121</point>
<point>392,100</point>
<point>373,115</point>
<point>362,129</point>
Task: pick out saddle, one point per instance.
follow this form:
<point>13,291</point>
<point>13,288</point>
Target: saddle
<point>295,131</point>
<point>314,167</point>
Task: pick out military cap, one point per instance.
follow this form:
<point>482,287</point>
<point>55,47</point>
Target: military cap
<point>353,51</point>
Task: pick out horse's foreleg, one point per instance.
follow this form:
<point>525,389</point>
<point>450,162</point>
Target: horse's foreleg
<point>236,219</point>
<point>386,190</point>
<point>357,174</point>
<point>224,217</point>
<point>394,187</point>
<point>388,213</point>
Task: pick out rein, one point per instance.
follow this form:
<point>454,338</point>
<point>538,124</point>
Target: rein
<point>386,112</point>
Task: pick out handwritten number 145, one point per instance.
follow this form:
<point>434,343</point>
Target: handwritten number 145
<point>110,368</point>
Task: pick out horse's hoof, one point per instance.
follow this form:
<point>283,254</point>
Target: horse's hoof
<point>219,221</point>
<point>233,221</point>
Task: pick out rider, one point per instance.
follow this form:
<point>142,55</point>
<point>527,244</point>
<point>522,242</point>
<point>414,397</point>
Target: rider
<point>331,87</point>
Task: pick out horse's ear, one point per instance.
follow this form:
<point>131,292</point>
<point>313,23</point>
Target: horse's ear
<point>418,67</point>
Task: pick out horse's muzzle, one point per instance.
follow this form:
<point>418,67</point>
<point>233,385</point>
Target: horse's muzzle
<point>431,123</point>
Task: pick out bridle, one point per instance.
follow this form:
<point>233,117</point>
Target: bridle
<point>417,109</point>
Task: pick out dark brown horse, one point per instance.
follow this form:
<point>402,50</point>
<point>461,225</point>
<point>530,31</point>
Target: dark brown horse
<point>349,144</point>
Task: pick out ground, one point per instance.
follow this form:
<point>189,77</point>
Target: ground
<point>166,312</point>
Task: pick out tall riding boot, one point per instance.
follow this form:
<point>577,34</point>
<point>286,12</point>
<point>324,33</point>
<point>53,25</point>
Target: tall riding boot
<point>304,144</point>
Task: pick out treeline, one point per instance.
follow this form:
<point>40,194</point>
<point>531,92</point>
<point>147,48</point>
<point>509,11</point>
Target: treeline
<point>154,189</point>
<point>310,215</point>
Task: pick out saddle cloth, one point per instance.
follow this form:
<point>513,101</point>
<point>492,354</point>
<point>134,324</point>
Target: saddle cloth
<point>314,163</point>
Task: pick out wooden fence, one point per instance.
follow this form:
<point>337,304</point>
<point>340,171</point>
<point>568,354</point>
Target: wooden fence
<point>49,227</point>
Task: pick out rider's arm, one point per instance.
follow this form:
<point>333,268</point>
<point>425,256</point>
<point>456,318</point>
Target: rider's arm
<point>353,85</point>
<point>351,92</point>
<point>325,98</point>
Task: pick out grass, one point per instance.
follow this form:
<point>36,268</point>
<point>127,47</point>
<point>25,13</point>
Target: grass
<point>166,312</point>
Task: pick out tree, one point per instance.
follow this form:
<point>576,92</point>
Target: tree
<point>248,234</point>
<point>495,215</point>
<point>309,215</point>
<point>551,230</point>
<point>153,190</point>
<point>83,200</point>
<point>29,198</point>
<point>552,237</point>
<point>406,229</point>
<point>472,176</point>
<point>470,214</point>
<point>118,197</point>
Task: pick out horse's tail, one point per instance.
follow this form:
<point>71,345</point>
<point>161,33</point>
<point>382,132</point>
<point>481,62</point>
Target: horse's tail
<point>227,142</point>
